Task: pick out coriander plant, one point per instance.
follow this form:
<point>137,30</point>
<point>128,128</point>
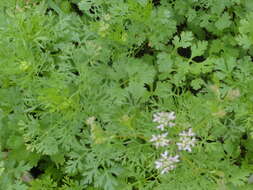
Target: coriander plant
<point>126,94</point>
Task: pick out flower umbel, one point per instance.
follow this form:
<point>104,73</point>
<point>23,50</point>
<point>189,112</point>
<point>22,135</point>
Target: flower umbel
<point>187,140</point>
<point>166,163</point>
<point>188,133</point>
<point>164,119</point>
<point>160,140</point>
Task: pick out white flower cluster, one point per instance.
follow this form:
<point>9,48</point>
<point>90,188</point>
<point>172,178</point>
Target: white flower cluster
<point>166,163</point>
<point>187,140</point>
<point>164,119</point>
<point>160,140</point>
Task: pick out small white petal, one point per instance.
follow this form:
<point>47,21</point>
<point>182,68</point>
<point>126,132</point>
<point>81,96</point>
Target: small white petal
<point>171,116</point>
<point>190,132</point>
<point>161,127</point>
<point>171,124</point>
<point>160,140</point>
<point>165,154</point>
<point>158,164</point>
<point>164,171</point>
<point>153,139</point>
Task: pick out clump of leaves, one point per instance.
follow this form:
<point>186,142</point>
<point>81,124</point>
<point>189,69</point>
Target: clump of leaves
<point>81,79</point>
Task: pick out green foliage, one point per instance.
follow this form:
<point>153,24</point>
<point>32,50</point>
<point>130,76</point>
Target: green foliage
<point>81,79</point>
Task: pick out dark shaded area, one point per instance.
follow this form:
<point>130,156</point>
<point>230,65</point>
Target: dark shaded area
<point>75,72</point>
<point>42,166</point>
<point>126,23</point>
<point>42,74</point>
<point>245,136</point>
<point>181,27</point>
<point>50,10</point>
<point>126,142</point>
<point>146,86</point>
<point>206,77</point>
<point>241,157</point>
<point>195,92</point>
<point>172,2</point>
<point>154,84</point>
<point>199,59</point>
<point>34,115</point>
<point>209,35</point>
<point>140,140</point>
<point>76,9</point>
<point>93,11</point>
<point>36,171</point>
<point>234,17</point>
<point>55,52</point>
<point>197,8</point>
<point>76,44</point>
<point>56,67</point>
<point>149,105</point>
<point>123,84</point>
<point>145,49</point>
<point>110,62</point>
<point>184,52</point>
<point>43,50</point>
<point>210,141</point>
<point>156,2</point>
<point>243,151</point>
<point>221,140</point>
<point>177,90</point>
<point>131,179</point>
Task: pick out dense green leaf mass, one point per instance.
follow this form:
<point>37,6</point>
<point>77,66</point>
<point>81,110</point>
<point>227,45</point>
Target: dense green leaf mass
<point>80,80</point>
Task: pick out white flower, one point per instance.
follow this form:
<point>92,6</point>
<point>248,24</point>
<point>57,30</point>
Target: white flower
<point>188,133</point>
<point>164,119</point>
<point>158,164</point>
<point>160,140</point>
<point>161,127</point>
<point>186,143</point>
<point>171,116</point>
<point>166,163</point>
<point>170,124</point>
<point>187,140</point>
<point>90,120</point>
